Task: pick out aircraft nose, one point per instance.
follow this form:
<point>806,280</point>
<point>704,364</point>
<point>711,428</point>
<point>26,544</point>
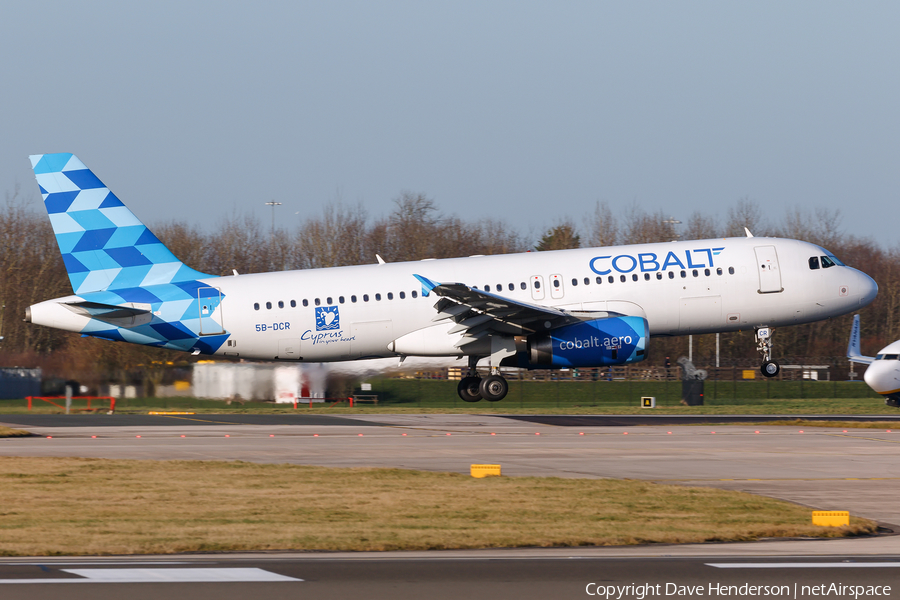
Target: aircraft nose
<point>868,289</point>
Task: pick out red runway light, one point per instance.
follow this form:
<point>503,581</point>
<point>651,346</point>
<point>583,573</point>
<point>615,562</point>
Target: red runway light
<point>669,432</point>
<point>492,433</point>
<point>801,431</point>
<point>714,433</point>
<point>93,437</point>
<point>271,435</point>
<point>888,430</point>
<point>360,435</point>
<point>402,434</point>
<point>580,433</point>
<point>624,433</point>
<point>537,433</point>
<point>49,437</point>
<point>757,431</point>
<point>315,435</point>
<point>226,435</point>
<point>448,434</point>
<point>137,436</point>
<point>845,431</point>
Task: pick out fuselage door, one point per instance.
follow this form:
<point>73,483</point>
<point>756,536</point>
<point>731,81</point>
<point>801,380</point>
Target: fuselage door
<point>209,301</point>
<point>769,273</point>
<point>537,287</point>
<point>556,286</point>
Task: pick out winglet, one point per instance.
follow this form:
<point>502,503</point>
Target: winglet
<point>853,349</point>
<point>427,284</point>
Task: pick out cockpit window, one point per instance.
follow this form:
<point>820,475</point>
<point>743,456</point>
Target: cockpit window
<point>827,262</point>
<point>813,262</point>
<point>891,357</point>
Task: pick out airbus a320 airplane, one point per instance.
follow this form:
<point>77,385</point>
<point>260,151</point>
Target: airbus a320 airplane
<point>568,308</point>
<point>883,373</point>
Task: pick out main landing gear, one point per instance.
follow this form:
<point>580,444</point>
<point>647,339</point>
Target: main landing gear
<point>473,388</point>
<point>769,367</point>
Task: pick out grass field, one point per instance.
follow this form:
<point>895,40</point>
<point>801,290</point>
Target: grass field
<point>77,506</point>
<point>553,397</point>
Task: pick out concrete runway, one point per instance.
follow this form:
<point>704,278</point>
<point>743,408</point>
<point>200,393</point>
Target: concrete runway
<point>823,468</point>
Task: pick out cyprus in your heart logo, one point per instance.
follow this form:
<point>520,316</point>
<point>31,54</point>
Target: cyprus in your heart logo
<point>327,318</point>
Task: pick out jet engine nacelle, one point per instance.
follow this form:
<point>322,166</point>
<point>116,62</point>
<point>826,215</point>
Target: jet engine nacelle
<point>609,341</point>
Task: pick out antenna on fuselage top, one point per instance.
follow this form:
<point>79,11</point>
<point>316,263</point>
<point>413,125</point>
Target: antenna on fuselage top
<point>747,231</point>
<point>380,260</point>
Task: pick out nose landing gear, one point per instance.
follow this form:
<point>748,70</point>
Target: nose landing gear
<point>769,367</point>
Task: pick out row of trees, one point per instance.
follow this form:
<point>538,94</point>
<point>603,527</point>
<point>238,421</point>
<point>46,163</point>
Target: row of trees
<point>31,269</point>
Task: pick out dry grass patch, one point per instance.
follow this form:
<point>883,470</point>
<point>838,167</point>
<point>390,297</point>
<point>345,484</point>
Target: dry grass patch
<point>10,432</point>
<point>95,506</point>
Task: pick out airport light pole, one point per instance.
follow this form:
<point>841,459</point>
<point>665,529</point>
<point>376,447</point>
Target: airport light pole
<point>273,204</point>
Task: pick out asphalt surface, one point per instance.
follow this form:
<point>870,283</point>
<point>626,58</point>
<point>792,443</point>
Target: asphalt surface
<point>823,468</point>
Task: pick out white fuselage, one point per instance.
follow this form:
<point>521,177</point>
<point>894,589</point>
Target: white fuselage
<point>680,287</point>
<point>883,373</point>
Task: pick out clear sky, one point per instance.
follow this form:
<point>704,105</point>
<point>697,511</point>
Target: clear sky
<point>524,111</point>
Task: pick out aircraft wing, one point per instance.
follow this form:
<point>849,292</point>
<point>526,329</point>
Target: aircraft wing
<point>478,313</point>
<point>853,351</point>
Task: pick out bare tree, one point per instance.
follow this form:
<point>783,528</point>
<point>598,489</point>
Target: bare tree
<point>603,228</point>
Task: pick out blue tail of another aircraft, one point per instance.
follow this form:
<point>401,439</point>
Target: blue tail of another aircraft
<point>104,246</point>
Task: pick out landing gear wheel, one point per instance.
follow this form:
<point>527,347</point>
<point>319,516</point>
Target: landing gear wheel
<point>770,368</point>
<point>493,388</point>
<point>468,389</point>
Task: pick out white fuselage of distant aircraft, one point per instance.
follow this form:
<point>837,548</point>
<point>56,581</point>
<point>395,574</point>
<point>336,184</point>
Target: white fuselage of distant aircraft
<point>883,372</point>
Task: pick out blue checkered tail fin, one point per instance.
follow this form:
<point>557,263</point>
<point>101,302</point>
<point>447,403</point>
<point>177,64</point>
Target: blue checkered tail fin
<point>104,246</point>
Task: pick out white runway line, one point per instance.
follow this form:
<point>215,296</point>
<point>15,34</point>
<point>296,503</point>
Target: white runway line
<point>201,575</point>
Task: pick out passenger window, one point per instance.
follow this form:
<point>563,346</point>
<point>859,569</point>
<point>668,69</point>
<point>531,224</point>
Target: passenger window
<point>646,276</point>
<point>731,270</point>
<point>330,302</point>
<point>256,306</point>
<point>537,284</point>
<point>281,304</point>
<point>556,283</point>
<point>414,294</point>
<point>683,274</point>
<point>719,271</point>
<point>587,281</point>
<point>813,262</point>
<point>599,280</point>
<point>402,295</point>
<point>353,299</point>
<point>269,305</point>
<point>512,287</point>
<point>696,273</point>
<point>390,295</point>
<point>305,302</point>
<point>499,287</point>
<point>659,274</point>
<point>706,272</point>
<point>378,297</point>
<point>523,285</point>
<point>634,277</point>
<point>340,299</point>
<point>574,281</point>
<point>365,297</point>
<point>622,278</point>
<point>293,304</point>
<point>318,302</point>
<point>671,274</point>
<point>611,279</point>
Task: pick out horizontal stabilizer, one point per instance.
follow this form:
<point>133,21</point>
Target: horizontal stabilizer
<point>120,316</point>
